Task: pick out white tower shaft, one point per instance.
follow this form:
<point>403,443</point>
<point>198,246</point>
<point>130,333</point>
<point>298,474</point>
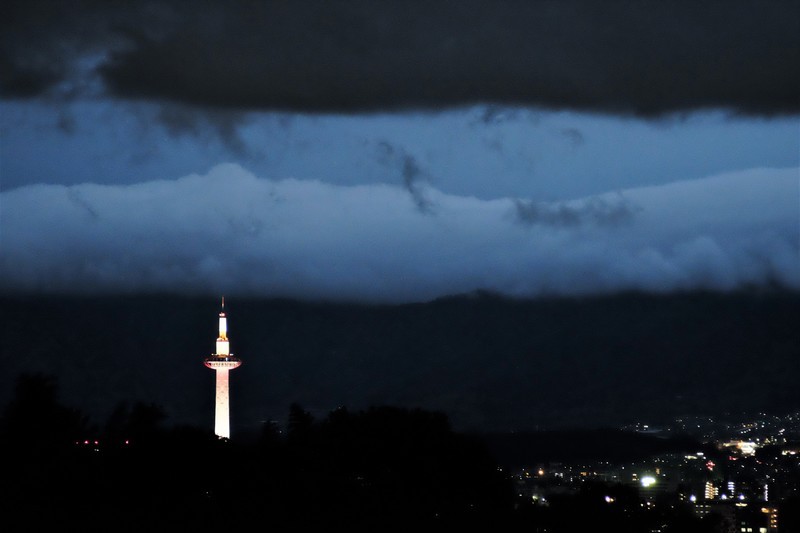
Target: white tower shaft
<point>222,421</point>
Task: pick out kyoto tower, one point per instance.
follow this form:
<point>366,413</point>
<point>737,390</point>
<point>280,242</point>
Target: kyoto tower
<point>222,362</point>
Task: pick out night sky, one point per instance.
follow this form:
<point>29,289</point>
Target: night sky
<point>390,153</point>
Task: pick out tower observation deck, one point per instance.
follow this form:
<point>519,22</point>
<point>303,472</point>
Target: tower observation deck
<point>222,362</point>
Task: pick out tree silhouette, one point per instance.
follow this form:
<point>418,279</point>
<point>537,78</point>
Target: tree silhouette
<point>300,423</point>
<point>386,468</point>
<point>34,420</point>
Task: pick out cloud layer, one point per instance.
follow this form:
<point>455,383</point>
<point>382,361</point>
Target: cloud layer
<point>231,232</point>
<point>640,57</point>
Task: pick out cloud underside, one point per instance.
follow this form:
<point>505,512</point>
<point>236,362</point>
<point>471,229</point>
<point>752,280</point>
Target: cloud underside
<point>629,57</point>
<point>234,233</point>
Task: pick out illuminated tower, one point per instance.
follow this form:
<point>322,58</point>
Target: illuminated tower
<point>222,362</point>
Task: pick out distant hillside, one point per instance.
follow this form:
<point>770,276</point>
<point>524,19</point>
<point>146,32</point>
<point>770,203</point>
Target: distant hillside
<point>527,449</point>
<point>491,364</point>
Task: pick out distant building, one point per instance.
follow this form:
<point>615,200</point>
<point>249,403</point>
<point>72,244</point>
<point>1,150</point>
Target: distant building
<point>741,447</point>
<point>710,491</point>
<point>739,517</point>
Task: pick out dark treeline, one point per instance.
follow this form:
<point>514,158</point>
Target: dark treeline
<point>376,470</point>
<point>379,469</point>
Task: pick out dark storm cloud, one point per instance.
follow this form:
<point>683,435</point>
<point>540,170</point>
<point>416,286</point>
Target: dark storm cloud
<point>180,120</point>
<point>640,57</point>
<point>77,198</point>
<point>494,115</point>
<point>18,80</point>
<point>43,43</point>
<point>574,136</point>
<point>413,175</point>
<point>597,211</point>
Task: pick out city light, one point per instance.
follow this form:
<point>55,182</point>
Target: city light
<point>648,481</point>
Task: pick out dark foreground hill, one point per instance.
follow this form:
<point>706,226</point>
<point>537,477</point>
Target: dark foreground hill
<point>382,469</point>
<point>490,364</point>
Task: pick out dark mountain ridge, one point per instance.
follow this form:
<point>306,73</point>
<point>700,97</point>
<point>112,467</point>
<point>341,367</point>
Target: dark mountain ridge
<point>489,363</point>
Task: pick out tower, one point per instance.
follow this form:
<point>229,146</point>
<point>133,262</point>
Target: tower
<point>222,362</point>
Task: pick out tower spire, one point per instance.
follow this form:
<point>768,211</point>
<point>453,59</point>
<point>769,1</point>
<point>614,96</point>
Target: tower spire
<point>223,331</point>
